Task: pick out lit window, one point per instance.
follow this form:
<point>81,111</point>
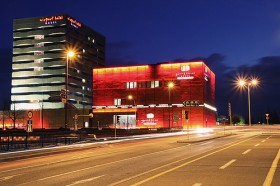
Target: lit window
<point>84,50</point>
<point>88,38</point>
<point>131,84</point>
<point>38,68</point>
<point>83,80</point>
<point>39,44</point>
<point>38,60</point>
<point>92,40</point>
<point>117,101</point>
<point>38,53</point>
<point>154,84</point>
<point>37,37</point>
<point>78,71</point>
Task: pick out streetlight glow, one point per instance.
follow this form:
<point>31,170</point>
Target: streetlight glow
<point>254,82</point>
<point>130,97</point>
<point>70,53</point>
<point>241,82</point>
<point>248,83</point>
<point>170,85</point>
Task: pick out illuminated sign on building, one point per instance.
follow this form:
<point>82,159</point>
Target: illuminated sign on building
<point>185,74</point>
<point>51,20</point>
<point>74,22</point>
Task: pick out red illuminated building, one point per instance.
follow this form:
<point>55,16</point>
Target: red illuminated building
<point>164,95</point>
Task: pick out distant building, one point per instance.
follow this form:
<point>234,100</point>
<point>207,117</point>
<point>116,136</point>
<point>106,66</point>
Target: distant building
<point>164,95</point>
<point>40,66</point>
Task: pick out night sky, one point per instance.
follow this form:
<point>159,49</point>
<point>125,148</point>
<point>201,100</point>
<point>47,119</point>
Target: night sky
<point>233,37</point>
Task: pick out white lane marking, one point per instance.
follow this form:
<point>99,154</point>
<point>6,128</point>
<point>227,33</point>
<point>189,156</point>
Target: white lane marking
<point>263,141</point>
<point>245,152</point>
<point>227,164</point>
<point>257,145</point>
<point>84,181</point>
<point>8,177</point>
<point>270,175</point>
<point>197,184</point>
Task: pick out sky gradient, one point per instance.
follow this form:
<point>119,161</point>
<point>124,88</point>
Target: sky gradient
<point>234,37</point>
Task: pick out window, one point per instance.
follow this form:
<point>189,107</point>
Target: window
<point>39,44</point>
<point>83,80</point>
<point>38,60</point>
<point>117,101</point>
<point>38,53</point>
<point>38,68</point>
<point>154,84</point>
<point>38,37</point>
<point>84,50</point>
<point>131,84</point>
<point>149,84</point>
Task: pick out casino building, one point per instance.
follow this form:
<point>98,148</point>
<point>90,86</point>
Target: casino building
<point>40,66</point>
<point>164,95</point>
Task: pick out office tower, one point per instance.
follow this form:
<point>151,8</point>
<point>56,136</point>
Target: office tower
<point>40,62</point>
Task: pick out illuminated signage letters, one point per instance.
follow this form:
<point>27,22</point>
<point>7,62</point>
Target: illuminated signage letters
<point>51,20</point>
<point>74,22</point>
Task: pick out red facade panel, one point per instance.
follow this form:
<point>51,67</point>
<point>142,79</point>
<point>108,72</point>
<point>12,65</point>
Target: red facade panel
<point>157,104</point>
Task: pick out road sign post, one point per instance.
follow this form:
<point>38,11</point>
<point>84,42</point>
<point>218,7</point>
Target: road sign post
<point>63,95</point>
<point>267,118</point>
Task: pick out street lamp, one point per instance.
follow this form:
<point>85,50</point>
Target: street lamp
<point>243,83</point>
<point>170,86</point>
<point>69,55</point>
<point>130,97</point>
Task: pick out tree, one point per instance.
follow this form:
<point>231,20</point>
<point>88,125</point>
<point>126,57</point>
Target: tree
<point>15,115</point>
<point>236,119</point>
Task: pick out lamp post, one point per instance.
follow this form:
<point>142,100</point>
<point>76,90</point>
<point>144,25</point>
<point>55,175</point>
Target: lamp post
<point>130,97</point>
<point>170,86</point>
<point>69,55</point>
<point>247,84</point>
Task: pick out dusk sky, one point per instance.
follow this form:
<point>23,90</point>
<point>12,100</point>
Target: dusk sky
<point>232,36</point>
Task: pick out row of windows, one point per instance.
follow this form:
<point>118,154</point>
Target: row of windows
<point>143,84</point>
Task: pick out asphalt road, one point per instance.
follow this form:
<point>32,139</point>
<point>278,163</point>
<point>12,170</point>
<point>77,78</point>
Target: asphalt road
<point>243,158</point>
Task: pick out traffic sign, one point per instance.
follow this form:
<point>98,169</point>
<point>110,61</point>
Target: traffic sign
<point>29,114</point>
<point>63,95</point>
<point>29,126</point>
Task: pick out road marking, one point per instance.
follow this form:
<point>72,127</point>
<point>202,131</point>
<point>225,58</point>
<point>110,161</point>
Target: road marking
<point>245,152</point>
<point>257,145</point>
<point>84,181</point>
<point>263,141</point>
<point>100,165</point>
<point>89,156</point>
<point>269,177</point>
<point>186,163</point>
<point>227,164</point>
<point>197,184</point>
